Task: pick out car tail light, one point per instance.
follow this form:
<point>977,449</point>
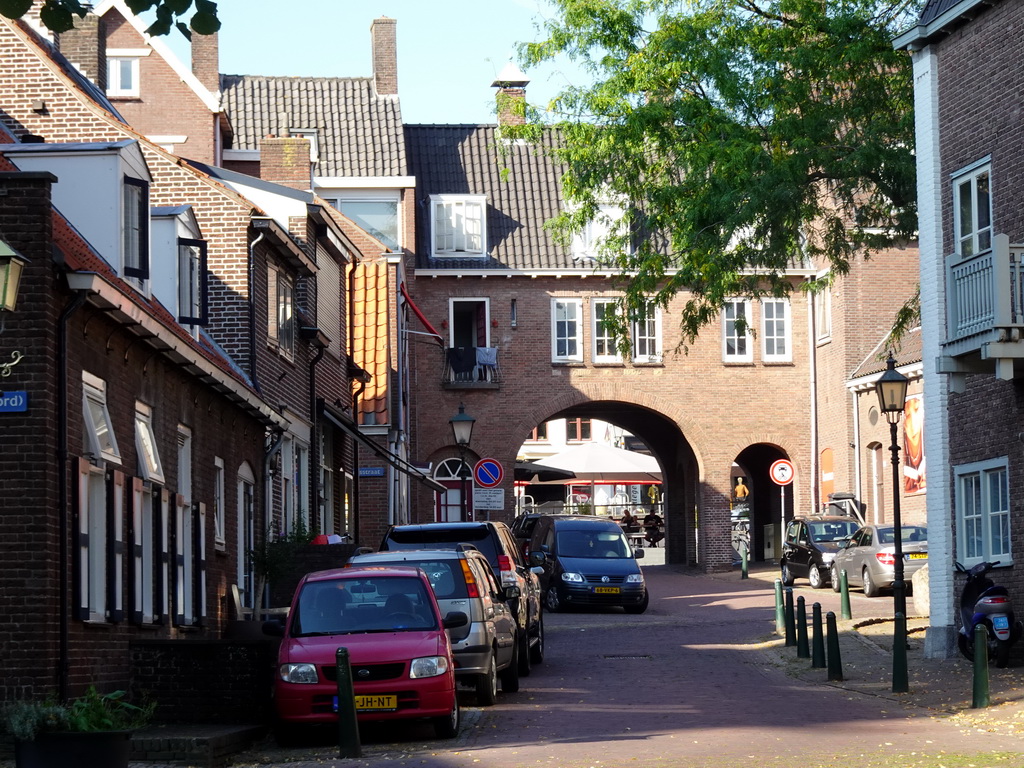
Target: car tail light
<point>471,588</point>
<point>997,600</point>
<point>507,570</point>
<point>886,558</point>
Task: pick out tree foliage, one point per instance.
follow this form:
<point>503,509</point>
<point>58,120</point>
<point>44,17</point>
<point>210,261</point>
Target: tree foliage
<point>742,136</point>
<point>59,15</point>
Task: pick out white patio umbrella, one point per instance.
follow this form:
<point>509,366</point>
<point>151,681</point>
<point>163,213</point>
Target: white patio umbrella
<point>598,463</point>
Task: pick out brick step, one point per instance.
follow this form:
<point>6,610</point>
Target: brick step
<point>209,746</point>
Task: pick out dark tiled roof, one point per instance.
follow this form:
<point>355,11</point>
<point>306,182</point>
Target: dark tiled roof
<point>471,159</point>
<point>358,132</point>
<point>908,351</point>
<point>935,8</point>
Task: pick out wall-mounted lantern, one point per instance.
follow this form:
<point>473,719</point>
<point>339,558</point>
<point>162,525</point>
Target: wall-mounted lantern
<point>11,265</point>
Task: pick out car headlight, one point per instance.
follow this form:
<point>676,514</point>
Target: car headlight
<point>428,666</point>
<point>575,578</point>
<point>828,557</point>
<point>635,578</point>
<point>299,673</point>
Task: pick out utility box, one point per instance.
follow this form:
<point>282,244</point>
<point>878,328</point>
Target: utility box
<point>771,542</point>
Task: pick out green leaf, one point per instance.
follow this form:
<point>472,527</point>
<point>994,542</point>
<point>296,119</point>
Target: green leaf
<point>56,15</point>
<point>204,23</point>
<point>14,9</point>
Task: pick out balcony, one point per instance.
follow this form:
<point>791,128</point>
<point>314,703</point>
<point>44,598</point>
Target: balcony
<point>985,313</point>
<point>471,368</point>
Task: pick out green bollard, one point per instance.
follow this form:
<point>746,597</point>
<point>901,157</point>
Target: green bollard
<point>817,638</point>
<point>744,562</point>
<point>780,612</point>
<point>900,683</point>
<point>348,724</point>
<point>844,595</point>
<point>835,663</point>
<point>981,699</point>
<point>790,618</point>
<point>802,649</point>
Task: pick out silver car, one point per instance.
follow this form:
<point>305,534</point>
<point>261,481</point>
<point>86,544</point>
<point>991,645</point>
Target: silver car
<point>486,649</point>
<point>869,556</point>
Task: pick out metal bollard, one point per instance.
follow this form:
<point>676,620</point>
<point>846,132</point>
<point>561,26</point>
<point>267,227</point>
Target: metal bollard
<point>817,638</point>
<point>900,683</point>
<point>790,618</point>
<point>348,725</point>
<point>835,663</point>
<point>981,699</point>
<point>844,595</point>
<point>744,561</point>
<point>780,612</point>
<point>802,649</point>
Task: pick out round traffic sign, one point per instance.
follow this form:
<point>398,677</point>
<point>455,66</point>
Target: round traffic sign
<point>488,473</point>
<point>781,472</point>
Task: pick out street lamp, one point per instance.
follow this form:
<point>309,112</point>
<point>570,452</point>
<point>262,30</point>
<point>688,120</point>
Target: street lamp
<point>892,397</point>
<point>462,430</point>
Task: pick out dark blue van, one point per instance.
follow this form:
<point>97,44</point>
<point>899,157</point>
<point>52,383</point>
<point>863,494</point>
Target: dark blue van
<point>586,561</point>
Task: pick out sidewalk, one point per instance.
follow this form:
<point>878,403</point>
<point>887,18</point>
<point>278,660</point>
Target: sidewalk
<point>940,687</point>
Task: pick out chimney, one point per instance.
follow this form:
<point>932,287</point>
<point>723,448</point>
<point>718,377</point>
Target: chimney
<point>206,60</point>
<point>286,161</point>
<point>85,46</point>
<point>383,41</point>
<point>511,97</point>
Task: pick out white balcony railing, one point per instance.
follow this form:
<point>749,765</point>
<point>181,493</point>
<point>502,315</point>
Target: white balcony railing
<point>986,292</point>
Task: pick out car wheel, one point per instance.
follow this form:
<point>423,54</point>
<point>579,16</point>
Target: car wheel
<point>487,685</point>
<point>836,586</point>
<point>787,576</point>
<point>448,727</point>
<point>537,649</point>
<point>814,576</point>
<point>510,675</point>
<point>639,607</point>
<point>551,599</point>
<point>523,660</point>
<point>870,588</point>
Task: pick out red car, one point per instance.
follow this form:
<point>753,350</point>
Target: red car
<point>401,659</point>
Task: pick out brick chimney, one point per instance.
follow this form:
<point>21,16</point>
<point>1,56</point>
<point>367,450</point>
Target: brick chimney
<point>285,161</point>
<point>384,45</point>
<point>511,97</point>
<point>85,47</point>
<point>206,60</point>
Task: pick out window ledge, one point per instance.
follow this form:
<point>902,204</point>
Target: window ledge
<point>568,364</point>
<point>470,385</point>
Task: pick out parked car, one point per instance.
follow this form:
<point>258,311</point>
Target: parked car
<point>522,528</point>
<point>809,546</point>
<point>486,648</point>
<point>498,545</point>
<point>399,652</point>
<point>587,561</point>
<point>869,557</point>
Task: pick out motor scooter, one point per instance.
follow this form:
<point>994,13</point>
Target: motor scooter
<point>985,602</point>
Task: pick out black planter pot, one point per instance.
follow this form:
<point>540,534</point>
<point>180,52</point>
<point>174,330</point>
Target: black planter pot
<point>109,749</point>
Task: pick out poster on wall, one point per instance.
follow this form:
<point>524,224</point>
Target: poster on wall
<point>913,445</point>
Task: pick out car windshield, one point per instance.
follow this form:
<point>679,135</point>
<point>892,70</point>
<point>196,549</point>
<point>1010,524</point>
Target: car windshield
<point>910,533</point>
<point>441,538</point>
<point>445,576</point>
<point>576,543</point>
<point>832,530</point>
<point>370,604</point>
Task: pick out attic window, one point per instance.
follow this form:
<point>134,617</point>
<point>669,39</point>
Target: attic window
<point>123,71</point>
<point>459,225</point>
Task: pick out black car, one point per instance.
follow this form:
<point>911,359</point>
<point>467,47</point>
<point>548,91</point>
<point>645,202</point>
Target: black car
<point>500,548</point>
<point>810,547</point>
<point>587,561</point>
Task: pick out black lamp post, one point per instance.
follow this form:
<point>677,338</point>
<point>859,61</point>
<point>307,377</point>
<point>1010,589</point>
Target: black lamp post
<point>462,430</point>
<point>892,397</point>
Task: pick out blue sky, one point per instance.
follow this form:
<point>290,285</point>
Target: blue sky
<point>449,51</point>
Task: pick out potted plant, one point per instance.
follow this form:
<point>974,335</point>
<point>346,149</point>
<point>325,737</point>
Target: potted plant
<point>92,730</point>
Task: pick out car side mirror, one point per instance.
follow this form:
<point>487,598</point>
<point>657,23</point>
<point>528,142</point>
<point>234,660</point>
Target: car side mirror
<point>537,558</point>
<point>273,628</point>
<point>512,592</point>
<point>638,553</point>
<point>455,619</point>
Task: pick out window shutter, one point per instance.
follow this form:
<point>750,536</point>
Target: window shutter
<point>160,540</point>
<point>135,537</point>
<point>200,559</point>
<point>81,549</point>
<point>178,545</point>
<point>272,332</point>
<point>115,545</point>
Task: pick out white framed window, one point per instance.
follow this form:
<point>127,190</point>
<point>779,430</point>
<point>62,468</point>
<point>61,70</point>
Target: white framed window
<point>325,497</point>
<point>458,496</point>
<point>645,330</point>
<point>566,330</point>
<point>145,514</point>
<point>301,484</point>
<point>603,313</point>
<point>135,228</point>
<point>123,76</point>
<point>219,503</point>
<point>983,512</point>
<point>246,527</point>
<point>99,437</point>
<point>587,243</point>
<point>823,314</point>
<point>737,342</point>
<point>192,295</point>
<point>776,343</point>
<point>459,225</point>
<point>972,209</point>
<point>185,462</point>
<point>150,467</point>
<point>377,213</point>
<point>281,311</point>
<point>93,565</point>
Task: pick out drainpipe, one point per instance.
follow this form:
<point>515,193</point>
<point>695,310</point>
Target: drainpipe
<point>854,409</point>
<point>813,360</point>
<point>252,310</point>
<point>64,658</point>
<point>353,522</point>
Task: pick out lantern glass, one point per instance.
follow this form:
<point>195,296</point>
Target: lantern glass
<point>11,267</point>
<point>462,426</point>
<point>892,388</point>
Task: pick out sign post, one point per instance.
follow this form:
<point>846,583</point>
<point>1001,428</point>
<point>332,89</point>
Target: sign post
<point>782,474</point>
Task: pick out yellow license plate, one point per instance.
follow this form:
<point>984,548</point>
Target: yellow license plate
<point>376,703</point>
<point>607,590</point>
<point>918,556</point>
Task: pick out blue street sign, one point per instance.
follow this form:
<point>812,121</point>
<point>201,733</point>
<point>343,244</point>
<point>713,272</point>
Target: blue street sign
<point>13,402</point>
<point>371,471</point>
